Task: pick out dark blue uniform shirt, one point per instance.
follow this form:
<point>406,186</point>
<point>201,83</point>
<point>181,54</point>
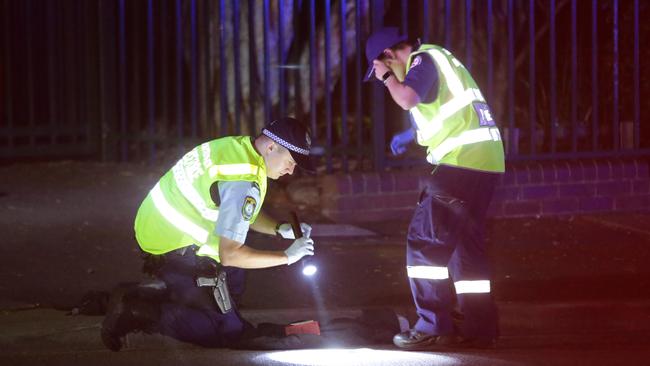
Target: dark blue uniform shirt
<point>422,77</point>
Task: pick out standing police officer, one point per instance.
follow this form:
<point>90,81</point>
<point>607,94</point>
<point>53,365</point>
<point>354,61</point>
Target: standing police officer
<point>194,222</point>
<point>445,241</point>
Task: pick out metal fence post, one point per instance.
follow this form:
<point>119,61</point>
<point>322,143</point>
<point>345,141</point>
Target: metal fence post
<point>377,95</point>
<point>328,80</point>
<point>7,48</point>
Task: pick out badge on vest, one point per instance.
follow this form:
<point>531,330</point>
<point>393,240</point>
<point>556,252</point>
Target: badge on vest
<point>484,115</point>
<point>248,208</point>
<point>416,61</point>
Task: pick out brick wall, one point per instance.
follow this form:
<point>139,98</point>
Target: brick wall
<point>527,189</point>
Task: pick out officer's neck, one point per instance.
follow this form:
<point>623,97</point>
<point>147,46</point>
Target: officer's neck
<point>254,142</point>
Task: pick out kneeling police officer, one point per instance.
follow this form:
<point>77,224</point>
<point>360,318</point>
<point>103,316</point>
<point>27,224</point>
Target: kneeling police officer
<point>193,224</point>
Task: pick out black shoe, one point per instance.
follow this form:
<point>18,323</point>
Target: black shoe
<point>413,340</point>
<point>127,313</point>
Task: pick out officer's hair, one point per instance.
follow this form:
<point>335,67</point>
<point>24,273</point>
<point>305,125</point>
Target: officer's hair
<point>411,42</point>
<point>262,137</point>
<point>264,140</point>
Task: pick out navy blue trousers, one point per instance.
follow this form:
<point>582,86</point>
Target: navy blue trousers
<point>191,314</point>
<point>447,231</point>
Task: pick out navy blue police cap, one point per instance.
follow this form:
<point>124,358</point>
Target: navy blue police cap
<point>295,137</point>
<point>376,44</point>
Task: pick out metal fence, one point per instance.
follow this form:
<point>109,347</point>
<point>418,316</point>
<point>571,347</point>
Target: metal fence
<point>145,80</point>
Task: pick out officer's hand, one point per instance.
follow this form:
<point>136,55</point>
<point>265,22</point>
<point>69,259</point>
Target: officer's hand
<point>286,231</point>
<point>300,248</point>
<point>380,69</point>
<point>400,141</point>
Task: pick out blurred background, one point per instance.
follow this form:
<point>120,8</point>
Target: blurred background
<point>143,81</point>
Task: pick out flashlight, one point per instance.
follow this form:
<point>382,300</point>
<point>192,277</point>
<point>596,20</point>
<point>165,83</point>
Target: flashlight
<point>308,267</point>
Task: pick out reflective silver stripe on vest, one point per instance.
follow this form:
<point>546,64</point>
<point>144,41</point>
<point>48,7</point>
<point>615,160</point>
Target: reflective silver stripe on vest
<point>472,287</point>
<point>207,155</point>
<point>462,98</point>
<point>453,81</point>
<point>207,250</point>
<point>233,169</point>
<point>427,129</point>
<point>428,272</point>
<point>175,218</point>
<point>184,184</point>
<point>465,138</point>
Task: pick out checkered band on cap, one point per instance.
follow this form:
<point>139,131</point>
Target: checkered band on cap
<point>284,143</point>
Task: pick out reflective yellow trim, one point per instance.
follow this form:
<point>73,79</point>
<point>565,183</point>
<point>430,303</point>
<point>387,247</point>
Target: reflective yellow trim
<point>232,169</point>
<point>453,81</point>
<point>207,250</point>
<point>427,272</point>
<point>427,129</point>
<point>191,195</point>
<point>462,97</point>
<point>465,138</point>
<point>206,155</point>
<point>472,287</point>
<point>175,218</point>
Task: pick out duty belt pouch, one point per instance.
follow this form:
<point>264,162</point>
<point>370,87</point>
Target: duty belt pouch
<point>219,290</point>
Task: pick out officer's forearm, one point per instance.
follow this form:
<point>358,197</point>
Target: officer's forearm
<point>402,94</point>
<point>264,224</point>
<point>235,254</point>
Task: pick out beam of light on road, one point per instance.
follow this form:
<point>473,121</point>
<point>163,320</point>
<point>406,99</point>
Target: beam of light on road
<point>309,270</point>
<point>360,356</point>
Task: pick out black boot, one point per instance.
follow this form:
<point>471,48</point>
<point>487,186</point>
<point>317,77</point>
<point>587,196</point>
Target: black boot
<point>414,340</point>
<point>127,313</point>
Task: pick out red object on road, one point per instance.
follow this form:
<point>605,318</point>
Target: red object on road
<point>304,327</point>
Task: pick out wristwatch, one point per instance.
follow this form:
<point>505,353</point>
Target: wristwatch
<point>386,75</point>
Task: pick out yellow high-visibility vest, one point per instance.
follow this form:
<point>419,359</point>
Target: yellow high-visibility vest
<point>457,128</point>
<point>179,211</point>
